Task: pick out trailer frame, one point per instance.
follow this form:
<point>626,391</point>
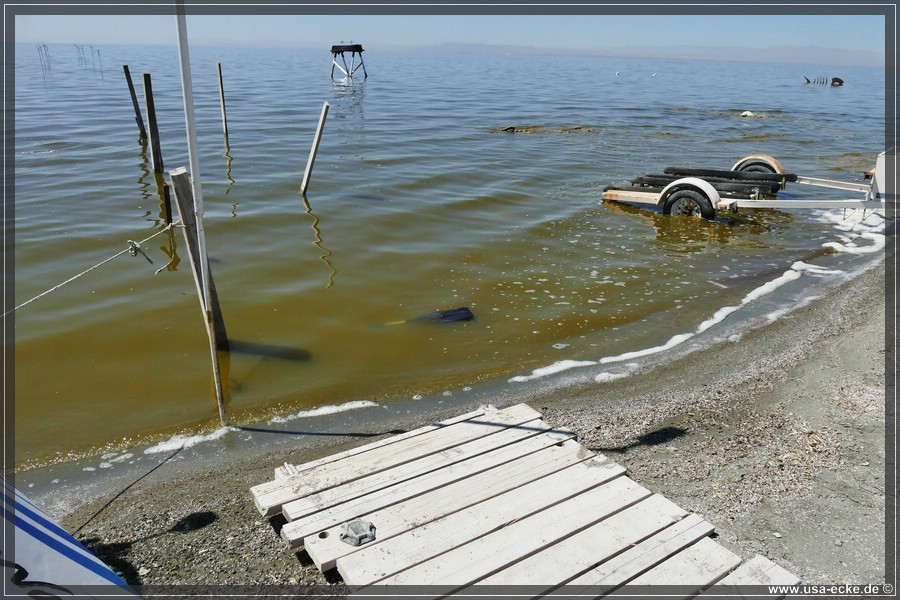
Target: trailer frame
<point>677,196</point>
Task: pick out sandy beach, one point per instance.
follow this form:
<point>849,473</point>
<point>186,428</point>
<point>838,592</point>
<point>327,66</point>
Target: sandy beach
<point>777,439</point>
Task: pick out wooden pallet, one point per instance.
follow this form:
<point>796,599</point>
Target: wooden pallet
<point>496,497</point>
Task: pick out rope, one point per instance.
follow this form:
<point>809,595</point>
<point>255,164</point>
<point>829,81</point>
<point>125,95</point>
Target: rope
<point>133,249</point>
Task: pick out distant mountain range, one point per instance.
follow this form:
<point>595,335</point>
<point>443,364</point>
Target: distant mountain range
<point>775,54</point>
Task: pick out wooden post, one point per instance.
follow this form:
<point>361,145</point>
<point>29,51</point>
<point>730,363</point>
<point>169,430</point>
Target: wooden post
<point>155,150</point>
<point>315,148</point>
<point>209,300</point>
<point>222,102</point>
<point>167,202</point>
<point>134,101</point>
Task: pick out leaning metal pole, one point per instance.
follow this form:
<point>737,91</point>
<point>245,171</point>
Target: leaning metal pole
<point>194,159</point>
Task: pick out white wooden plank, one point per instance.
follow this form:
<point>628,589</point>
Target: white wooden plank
<point>585,549</point>
<point>404,473</point>
<point>506,456</point>
<point>470,562</point>
<point>539,533</point>
<point>385,558</point>
<point>699,565</point>
<point>270,496</point>
<point>631,196</point>
<point>759,570</point>
<point>415,512</point>
<point>289,469</point>
<point>642,556</point>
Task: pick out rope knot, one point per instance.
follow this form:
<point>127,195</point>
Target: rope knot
<point>134,248</point>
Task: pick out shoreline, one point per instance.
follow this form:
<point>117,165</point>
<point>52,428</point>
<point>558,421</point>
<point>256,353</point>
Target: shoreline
<point>776,439</point>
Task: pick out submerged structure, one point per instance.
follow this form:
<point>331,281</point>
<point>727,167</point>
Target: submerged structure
<point>354,50</point>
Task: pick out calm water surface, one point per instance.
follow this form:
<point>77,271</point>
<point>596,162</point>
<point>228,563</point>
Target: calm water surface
<point>419,202</point>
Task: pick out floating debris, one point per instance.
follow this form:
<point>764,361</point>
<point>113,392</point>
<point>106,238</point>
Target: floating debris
<point>835,81</point>
<point>540,129</point>
<point>463,313</point>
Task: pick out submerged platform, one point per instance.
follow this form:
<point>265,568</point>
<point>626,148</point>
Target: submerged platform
<point>496,497</point>
<point>355,51</point>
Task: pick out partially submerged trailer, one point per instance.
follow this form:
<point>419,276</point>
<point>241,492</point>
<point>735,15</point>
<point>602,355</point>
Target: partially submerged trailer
<point>753,182</point>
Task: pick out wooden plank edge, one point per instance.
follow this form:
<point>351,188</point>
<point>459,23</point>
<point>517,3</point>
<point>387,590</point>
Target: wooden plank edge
<point>288,469</point>
<point>382,498</point>
<point>643,555</point>
<point>409,471</point>
<point>326,558</point>
<point>614,496</point>
<point>759,570</point>
<point>598,544</point>
<point>705,559</point>
<point>269,497</point>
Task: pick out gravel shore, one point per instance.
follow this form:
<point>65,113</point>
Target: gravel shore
<point>778,440</point>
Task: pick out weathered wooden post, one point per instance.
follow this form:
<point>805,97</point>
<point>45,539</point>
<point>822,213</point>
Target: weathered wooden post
<point>222,102</point>
<point>167,202</point>
<point>134,102</point>
<point>315,148</point>
<point>206,289</point>
<point>155,150</point>
<point>162,188</point>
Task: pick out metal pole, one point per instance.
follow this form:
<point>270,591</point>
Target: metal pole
<point>222,102</point>
<point>194,159</point>
<point>315,148</point>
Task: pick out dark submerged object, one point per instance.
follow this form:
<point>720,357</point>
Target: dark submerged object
<point>449,316</point>
<point>835,81</point>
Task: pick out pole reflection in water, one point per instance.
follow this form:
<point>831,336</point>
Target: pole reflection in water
<point>318,242</point>
<point>228,160</point>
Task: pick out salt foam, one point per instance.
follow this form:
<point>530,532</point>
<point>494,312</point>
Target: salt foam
<point>324,410</point>
<point>794,273</point>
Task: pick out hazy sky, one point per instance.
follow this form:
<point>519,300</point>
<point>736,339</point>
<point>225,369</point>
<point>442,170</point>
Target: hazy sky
<point>851,32</point>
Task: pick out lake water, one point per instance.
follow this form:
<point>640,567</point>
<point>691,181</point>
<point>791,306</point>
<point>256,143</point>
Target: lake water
<point>419,202</point>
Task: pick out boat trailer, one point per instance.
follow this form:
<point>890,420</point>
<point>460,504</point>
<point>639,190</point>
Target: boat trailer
<point>753,182</point>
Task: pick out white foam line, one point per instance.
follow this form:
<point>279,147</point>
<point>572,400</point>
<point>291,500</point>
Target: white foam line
<point>814,270</point>
<point>768,288</point>
<point>178,441</point>
<point>673,341</point>
<point>794,273</point>
<point>878,244</point>
<point>324,410</point>
<point>606,377</point>
<point>557,367</point>
<point>777,314</point>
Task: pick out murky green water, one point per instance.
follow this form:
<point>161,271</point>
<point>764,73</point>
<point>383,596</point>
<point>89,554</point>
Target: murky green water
<point>418,203</point>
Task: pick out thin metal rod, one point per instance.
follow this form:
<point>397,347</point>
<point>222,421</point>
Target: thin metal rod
<point>222,102</point>
<point>315,148</point>
<point>194,159</point>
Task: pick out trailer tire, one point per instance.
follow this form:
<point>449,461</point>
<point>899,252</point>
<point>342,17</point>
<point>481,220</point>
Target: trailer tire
<point>689,202</point>
<point>758,163</point>
<point>756,167</point>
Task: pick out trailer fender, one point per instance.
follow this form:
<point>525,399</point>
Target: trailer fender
<point>706,197</point>
<point>758,163</point>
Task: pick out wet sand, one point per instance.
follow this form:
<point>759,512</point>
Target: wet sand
<point>777,439</point>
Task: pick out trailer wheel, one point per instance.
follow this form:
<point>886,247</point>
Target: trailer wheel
<point>756,167</point>
<point>758,163</point>
<point>690,203</point>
